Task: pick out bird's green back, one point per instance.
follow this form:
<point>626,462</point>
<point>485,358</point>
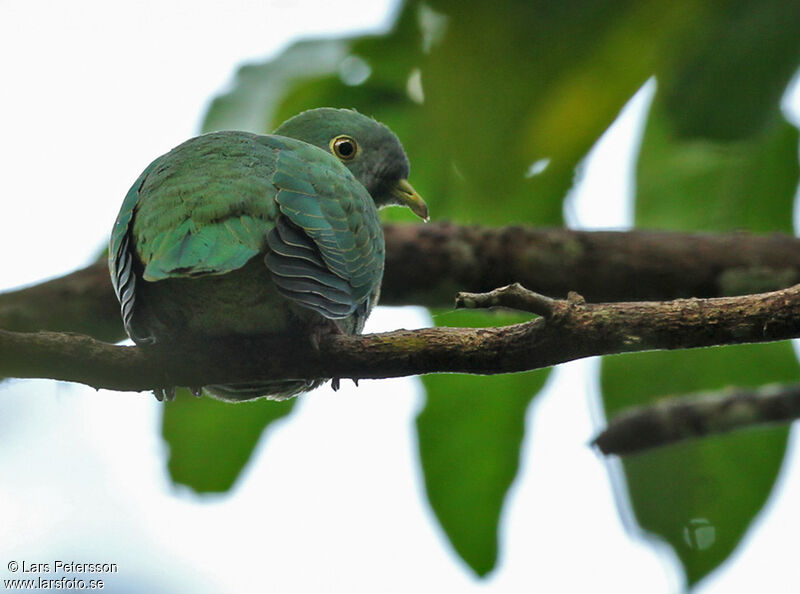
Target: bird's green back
<point>206,206</point>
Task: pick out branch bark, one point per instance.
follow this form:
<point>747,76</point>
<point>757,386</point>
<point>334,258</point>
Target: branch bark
<point>427,264</point>
<point>676,419</point>
<point>571,329</point>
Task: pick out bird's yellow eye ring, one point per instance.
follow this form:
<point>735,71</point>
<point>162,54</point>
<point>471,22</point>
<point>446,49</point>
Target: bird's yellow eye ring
<point>344,147</point>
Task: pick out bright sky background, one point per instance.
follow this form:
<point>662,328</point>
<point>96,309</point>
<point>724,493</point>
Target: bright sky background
<point>90,93</point>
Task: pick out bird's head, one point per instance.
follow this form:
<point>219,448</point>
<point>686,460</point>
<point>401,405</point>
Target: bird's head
<point>371,152</point>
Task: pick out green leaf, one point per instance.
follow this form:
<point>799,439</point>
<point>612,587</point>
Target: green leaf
<point>700,496</point>
<point>470,433</point>
<point>730,68</point>
<point>474,116</point>
<point>211,441</point>
<point>251,103</point>
<point>722,186</point>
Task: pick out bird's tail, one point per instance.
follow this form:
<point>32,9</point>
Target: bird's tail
<point>276,390</point>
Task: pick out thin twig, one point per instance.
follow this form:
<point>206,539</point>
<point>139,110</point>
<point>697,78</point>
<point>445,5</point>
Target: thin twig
<point>513,296</point>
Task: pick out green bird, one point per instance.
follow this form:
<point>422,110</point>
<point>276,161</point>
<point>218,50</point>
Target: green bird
<point>235,234</point>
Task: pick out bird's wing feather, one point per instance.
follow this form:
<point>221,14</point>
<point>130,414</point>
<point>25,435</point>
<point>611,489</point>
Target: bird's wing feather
<point>120,257</point>
<point>326,250</point>
<point>207,208</point>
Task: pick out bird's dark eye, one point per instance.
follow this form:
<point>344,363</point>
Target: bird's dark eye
<point>344,147</point>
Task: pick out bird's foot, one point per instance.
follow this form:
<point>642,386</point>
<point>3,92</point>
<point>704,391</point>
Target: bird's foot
<point>336,383</point>
<point>163,394</point>
<point>196,391</point>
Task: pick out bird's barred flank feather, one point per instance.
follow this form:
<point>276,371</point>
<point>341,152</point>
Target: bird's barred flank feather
<point>300,274</point>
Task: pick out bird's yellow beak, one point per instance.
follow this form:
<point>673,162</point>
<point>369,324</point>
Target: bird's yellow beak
<point>407,196</point>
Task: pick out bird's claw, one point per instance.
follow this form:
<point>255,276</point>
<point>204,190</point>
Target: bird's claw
<point>163,394</point>
<point>336,383</point>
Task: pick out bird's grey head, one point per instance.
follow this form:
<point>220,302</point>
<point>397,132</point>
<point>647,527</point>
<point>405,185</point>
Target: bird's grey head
<point>371,152</point>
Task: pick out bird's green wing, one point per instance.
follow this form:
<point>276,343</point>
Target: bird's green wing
<point>203,208</point>
<point>327,249</point>
<point>206,207</point>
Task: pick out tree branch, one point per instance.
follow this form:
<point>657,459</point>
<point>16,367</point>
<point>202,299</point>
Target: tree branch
<point>81,302</point>
<point>572,329</point>
<point>427,264</point>
<point>672,420</point>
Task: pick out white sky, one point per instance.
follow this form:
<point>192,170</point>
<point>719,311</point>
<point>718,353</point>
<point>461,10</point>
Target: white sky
<point>90,93</point>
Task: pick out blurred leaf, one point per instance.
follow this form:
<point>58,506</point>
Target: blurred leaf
<point>470,433</point>
<point>474,116</point>
<point>722,186</point>
<point>729,69</point>
<point>211,441</point>
<point>714,487</point>
<point>251,103</point>
<point>700,496</point>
